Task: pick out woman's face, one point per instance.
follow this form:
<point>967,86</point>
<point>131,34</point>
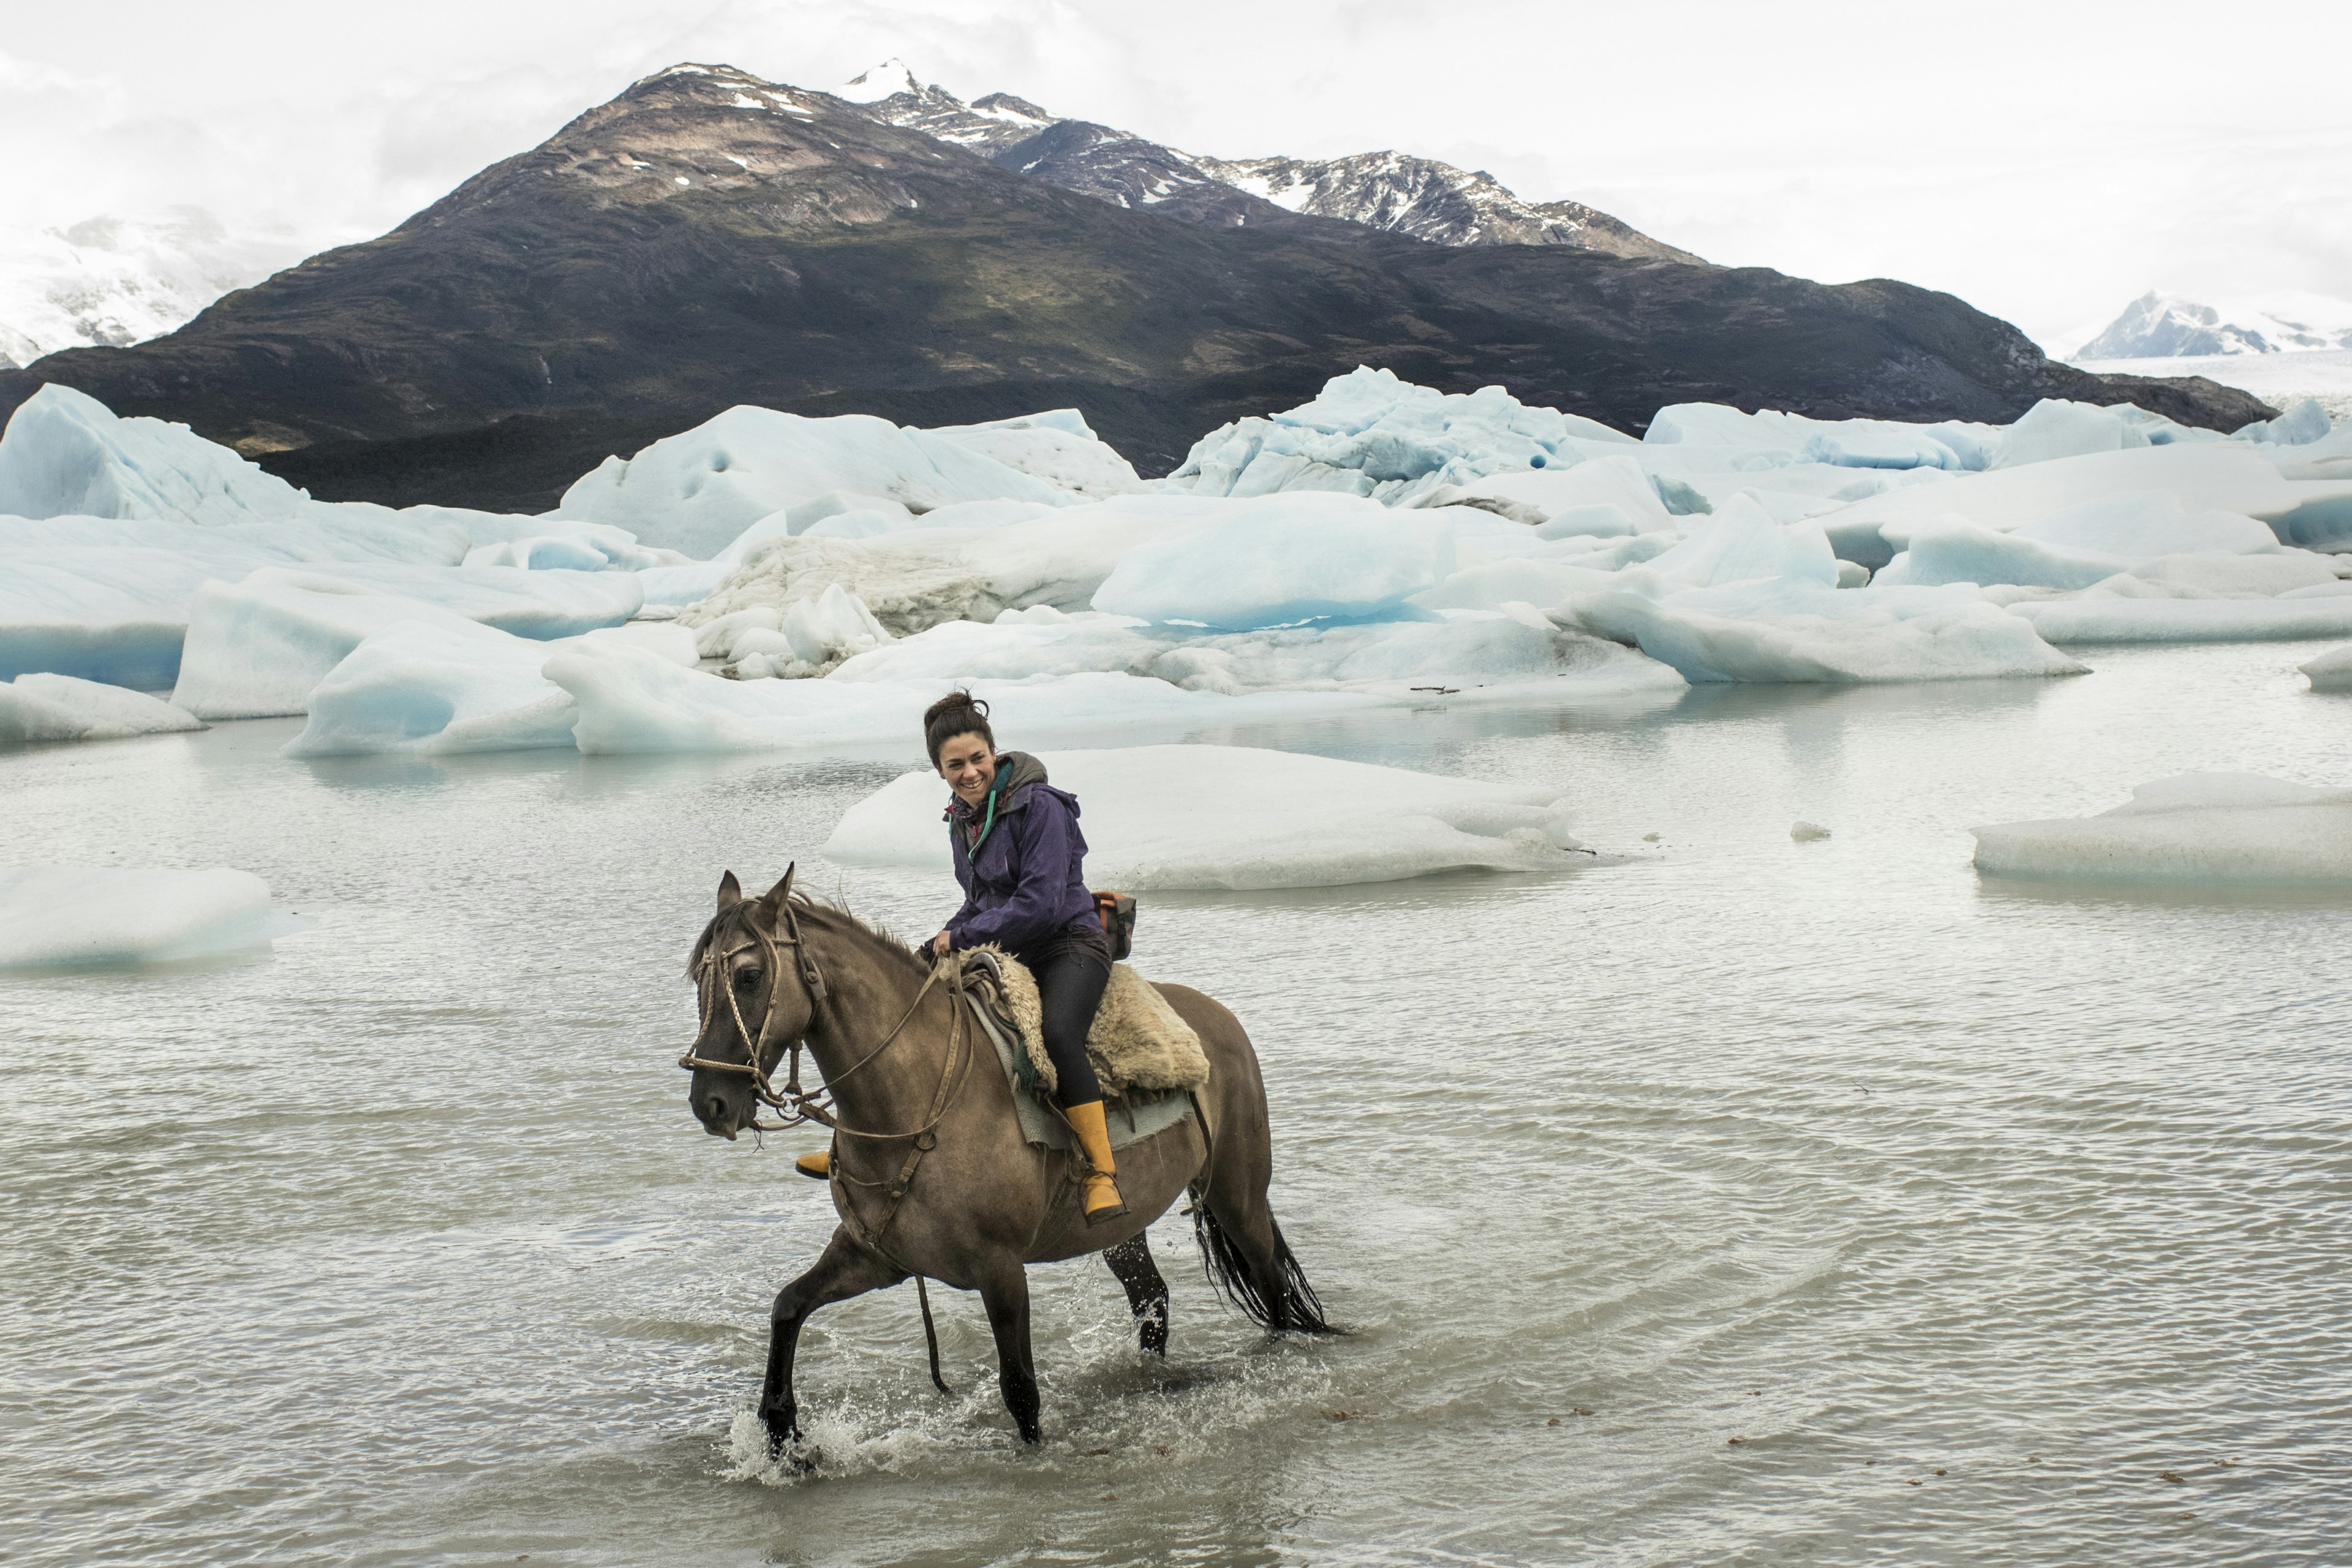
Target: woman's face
<point>968,764</point>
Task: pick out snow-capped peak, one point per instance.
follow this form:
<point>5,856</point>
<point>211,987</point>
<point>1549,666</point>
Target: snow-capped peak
<point>2158,325</point>
<point>888,79</point>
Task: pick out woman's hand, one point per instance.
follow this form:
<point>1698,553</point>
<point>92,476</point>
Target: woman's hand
<point>941,945</point>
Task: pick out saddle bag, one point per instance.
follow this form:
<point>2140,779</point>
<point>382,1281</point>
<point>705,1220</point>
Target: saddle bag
<point>1117,912</point>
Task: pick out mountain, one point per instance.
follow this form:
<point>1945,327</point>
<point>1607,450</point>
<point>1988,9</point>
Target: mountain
<point>1392,192</point>
<point>2166,326</point>
<point>707,239</point>
<point>111,280</point>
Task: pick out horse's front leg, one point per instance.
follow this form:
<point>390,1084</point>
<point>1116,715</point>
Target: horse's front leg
<point>1147,1290</point>
<point>843,1270</point>
<point>1005,1291</point>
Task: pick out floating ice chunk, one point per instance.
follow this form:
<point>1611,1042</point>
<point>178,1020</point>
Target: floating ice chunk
<point>436,686</point>
<point>917,578</point>
<point>255,648</point>
<point>1058,446</point>
<point>64,452</point>
<point>1742,543</point>
<point>440,688</point>
<point>2331,671</point>
<point>697,491</point>
<point>2055,427</point>
<point>577,547</point>
<point>1278,561</point>
<point>80,915</point>
<point>1782,631</point>
<point>2139,525</point>
<point>2197,828</point>
<point>1369,433</point>
<point>835,624</point>
<point>1957,551</point>
<point>2075,622</point>
<point>1808,832</point>
<point>1556,498</point>
<point>2306,422</point>
<point>37,708</point>
<point>1493,584</point>
<point>2230,478</point>
<point>2219,576</point>
<point>1237,817</point>
<point>1844,443</point>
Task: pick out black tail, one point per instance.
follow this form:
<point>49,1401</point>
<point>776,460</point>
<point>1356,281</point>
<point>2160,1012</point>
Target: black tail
<point>1290,1305</point>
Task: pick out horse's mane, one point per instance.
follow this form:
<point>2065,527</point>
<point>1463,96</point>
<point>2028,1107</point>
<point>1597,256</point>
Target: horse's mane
<point>831,916</point>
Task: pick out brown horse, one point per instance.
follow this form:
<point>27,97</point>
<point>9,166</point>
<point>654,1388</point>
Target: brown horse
<point>931,1176</point>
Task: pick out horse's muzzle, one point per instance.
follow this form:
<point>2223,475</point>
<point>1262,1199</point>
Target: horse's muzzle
<point>718,1110</point>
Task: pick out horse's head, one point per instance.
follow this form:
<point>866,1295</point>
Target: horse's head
<point>757,994</point>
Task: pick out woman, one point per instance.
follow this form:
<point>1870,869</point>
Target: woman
<point>1021,860</point>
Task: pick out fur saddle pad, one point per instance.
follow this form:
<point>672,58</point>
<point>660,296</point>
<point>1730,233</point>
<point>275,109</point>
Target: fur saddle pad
<point>1003,998</point>
<point>1138,1041</point>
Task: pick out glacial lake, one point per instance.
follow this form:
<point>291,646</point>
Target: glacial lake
<point>1750,1201</point>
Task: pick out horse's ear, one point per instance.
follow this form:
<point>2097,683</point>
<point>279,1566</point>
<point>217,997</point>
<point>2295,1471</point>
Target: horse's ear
<point>775,897</point>
<point>730,892</point>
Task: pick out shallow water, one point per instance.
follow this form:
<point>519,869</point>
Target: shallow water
<point>1972,1211</point>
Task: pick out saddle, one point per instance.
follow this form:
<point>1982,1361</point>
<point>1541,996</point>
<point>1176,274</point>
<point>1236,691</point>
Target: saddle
<point>1148,1058</point>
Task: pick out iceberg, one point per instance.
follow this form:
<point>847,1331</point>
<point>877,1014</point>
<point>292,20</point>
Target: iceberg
<point>1788,631</point>
<point>697,491</point>
<point>2197,478</point>
<point>255,648</point>
<point>1236,817</point>
<point>41,708</point>
<point>2075,622</point>
<point>77,915</point>
<point>1058,446</point>
<point>444,689</point>
<point>1369,433</point>
<point>1276,561</point>
<point>64,452</point>
<point>1954,549</point>
<point>2208,829</point>
<point>2330,671</point>
<point>1840,443</point>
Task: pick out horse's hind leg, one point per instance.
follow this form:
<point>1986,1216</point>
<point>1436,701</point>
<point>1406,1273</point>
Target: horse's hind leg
<point>1147,1292</point>
<point>844,1269</point>
<point>1005,1291</point>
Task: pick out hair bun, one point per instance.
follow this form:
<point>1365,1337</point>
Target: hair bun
<point>957,701</point>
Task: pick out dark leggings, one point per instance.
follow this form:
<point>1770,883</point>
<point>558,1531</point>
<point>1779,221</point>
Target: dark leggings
<point>1071,973</point>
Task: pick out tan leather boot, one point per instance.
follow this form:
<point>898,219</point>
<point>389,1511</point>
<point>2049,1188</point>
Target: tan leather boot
<point>1102,1201</point>
<point>818,1165</point>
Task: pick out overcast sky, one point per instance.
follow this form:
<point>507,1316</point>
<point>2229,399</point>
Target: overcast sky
<point>2047,161</point>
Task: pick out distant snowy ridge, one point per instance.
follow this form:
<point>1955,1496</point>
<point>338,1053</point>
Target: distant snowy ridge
<point>111,282</point>
<point>2166,326</point>
<point>1393,192</point>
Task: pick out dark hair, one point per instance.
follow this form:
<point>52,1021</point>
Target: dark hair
<point>957,713</point>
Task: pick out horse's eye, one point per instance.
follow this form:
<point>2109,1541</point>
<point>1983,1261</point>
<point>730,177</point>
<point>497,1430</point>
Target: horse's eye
<point>747,978</point>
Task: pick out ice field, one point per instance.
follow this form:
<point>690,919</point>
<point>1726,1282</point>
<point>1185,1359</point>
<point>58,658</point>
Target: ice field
<point>1379,543</point>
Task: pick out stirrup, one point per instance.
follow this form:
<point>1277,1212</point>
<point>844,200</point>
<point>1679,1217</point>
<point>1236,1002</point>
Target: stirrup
<point>817,1166</point>
<point>1116,1209</point>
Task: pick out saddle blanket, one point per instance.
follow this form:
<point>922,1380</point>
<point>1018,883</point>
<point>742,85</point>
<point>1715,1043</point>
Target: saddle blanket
<point>1148,1058</point>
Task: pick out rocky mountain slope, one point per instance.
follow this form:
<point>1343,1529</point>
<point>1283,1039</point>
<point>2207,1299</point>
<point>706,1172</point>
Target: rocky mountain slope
<point>707,239</point>
<point>2166,326</point>
<point>1392,192</point>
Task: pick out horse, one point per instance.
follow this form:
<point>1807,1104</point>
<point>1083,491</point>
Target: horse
<point>932,1177</point>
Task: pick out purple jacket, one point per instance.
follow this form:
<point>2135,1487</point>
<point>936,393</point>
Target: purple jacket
<point>1028,881</point>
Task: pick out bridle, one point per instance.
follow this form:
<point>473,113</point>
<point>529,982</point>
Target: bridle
<point>793,1104</point>
<point>711,969</point>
